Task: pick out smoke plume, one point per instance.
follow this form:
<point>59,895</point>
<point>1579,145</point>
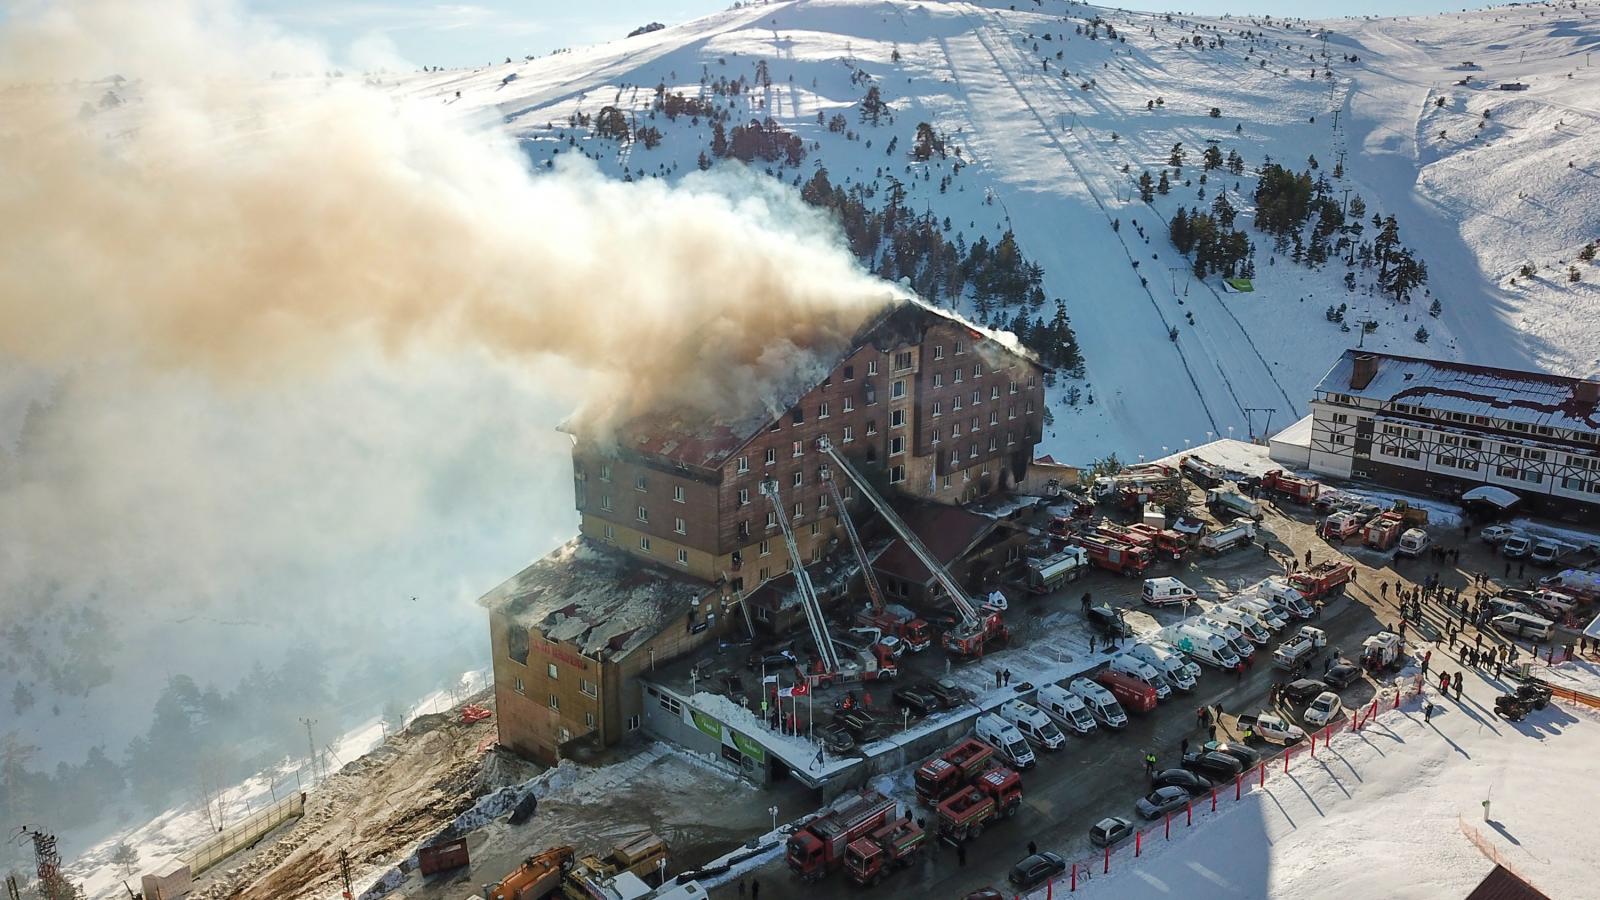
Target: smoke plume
<point>185,209</point>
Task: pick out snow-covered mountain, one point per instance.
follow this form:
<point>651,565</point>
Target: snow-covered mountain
<point>1056,109</point>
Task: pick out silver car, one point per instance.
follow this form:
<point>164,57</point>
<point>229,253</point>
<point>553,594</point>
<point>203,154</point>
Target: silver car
<point>1161,801</point>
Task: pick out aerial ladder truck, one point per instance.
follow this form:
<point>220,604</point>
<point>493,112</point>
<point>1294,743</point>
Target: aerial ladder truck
<point>826,653</point>
<point>975,632</point>
<point>914,631</point>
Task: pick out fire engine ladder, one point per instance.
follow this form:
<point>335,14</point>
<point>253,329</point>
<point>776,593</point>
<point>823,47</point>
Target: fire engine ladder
<point>802,580</point>
<point>968,610</point>
<point>873,589</point>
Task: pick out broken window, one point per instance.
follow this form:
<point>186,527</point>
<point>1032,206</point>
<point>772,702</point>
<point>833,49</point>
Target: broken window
<point>869,393</point>
<point>902,360</point>
<point>517,645</point>
<point>849,373</point>
<point>799,478</point>
<point>872,426</point>
<point>797,416</point>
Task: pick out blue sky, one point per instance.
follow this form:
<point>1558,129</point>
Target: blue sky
<point>472,32</point>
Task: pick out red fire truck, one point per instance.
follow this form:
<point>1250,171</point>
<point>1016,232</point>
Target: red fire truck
<point>952,770</point>
<point>1132,693</point>
<point>1115,556</point>
<point>995,794</point>
<point>1168,543</point>
<point>1299,490</point>
<point>868,859</point>
<point>1383,531</point>
<point>819,845</point>
<point>1323,580</point>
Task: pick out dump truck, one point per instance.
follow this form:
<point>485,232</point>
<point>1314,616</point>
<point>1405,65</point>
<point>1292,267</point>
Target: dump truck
<point>1115,556</point>
<point>997,793</point>
<point>1206,474</point>
<point>1228,500</point>
<point>539,876</point>
<point>1383,531</point>
<point>1323,580</point>
<point>1296,489</point>
<point>819,845</point>
<point>640,856</point>
<point>868,859</point>
<point>1240,533</point>
<point>952,770</point>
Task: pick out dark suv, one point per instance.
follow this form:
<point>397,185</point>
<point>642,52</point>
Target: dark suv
<point>918,699</point>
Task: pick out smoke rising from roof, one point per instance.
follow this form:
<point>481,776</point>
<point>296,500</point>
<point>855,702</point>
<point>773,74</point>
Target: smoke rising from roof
<point>209,217</point>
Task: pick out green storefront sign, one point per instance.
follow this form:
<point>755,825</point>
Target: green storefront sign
<point>748,747</point>
<point>706,724</point>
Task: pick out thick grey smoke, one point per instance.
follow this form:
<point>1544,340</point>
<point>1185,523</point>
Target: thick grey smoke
<point>197,214</point>
<point>277,353</point>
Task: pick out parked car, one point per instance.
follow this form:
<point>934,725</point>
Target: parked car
<point>1544,553</point>
<point>782,659</point>
<point>838,739</point>
<point>1342,675</point>
<point>1161,801</point>
<point>1496,534</point>
<point>1324,709</point>
<point>1214,765</point>
<point>950,695</point>
<point>1301,690</point>
<point>1249,756</point>
<point>1108,622</point>
<point>918,699</point>
<point>1516,546</point>
<point>1110,830</point>
<point>1036,869</point>
<point>1193,783</point>
<point>985,893</point>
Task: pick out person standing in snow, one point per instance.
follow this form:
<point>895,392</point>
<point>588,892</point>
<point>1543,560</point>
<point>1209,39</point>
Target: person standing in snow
<point>1458,685</point>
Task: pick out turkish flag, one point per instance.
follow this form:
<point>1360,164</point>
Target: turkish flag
<point>800,690</point>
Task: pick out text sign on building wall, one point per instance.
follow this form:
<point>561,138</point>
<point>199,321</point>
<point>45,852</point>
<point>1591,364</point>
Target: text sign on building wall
<point>706,724</point>
<point>748,747</point>
<point>566,656</point>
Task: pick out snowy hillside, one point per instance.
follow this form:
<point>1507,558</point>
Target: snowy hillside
<point>1054,120</point>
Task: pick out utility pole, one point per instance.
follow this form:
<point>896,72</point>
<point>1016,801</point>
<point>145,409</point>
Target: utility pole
<point>311,747</point>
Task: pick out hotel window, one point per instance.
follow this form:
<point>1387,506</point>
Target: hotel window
<point>897,445</point>
<point>994,443</point>
<point>972,451</point>
<point>772,518</point>
<point>644,514</point>
<point>955,403</point>
<point>897,418</point>
<point>822,410</point>
<point>977,397</point>
<point>1010,438</point>
<point>902,360</point>
<point>587,686</point>
<point>797,416</point>
<point>765,548</point>
<point>519,687</point>
<point>588,719</point>
<point>799,448</point>
<point>683,557</point>
<point>955,430</point>
<point>611,533</point>
<point>679,526</point>
<point>960,348</point>
<point>957,377</point>
<point>897,474</point>
<point>849,373</point>
<point>644,543</point>
<point>938,409</point>
<point>1033,382</point>
<point>772,455</point>
<point>744,496</point>
<point>933,436</point>
<point>799,508</point>
<point>677,493</point>
<point>994,392</point>
<point>994,417</point>
<point>743,465</point>
<point>605,502</point>
<point>974,426</point>
<point>1011,411</point>
<point>849,434</point>
<point>816,528</point>
<point>744,532</point>
<point>551,670</point>
<point>955,458</point>
<point>938,351</point>
<point>938,379</point>
<point>1013,388</point>
<point>605,471</point>
<point>872,367</point>
<point>822,501</point>
<point>555,703</point>
<point>977,370</point>
<point>849,405</point>
<point>799,478</point>
<point>633,723</point>
<point>898,389</point>
<point>872,426</point>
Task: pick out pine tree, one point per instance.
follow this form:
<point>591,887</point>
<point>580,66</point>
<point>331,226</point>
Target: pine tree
<point>1163,186</point>
<point>1146,188</point>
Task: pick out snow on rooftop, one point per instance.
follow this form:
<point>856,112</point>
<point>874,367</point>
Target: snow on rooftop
<point>594,597</point>
<point>1531,398</point>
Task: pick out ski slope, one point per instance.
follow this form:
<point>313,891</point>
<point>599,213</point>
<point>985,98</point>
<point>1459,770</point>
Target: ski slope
<point>1045,154</point>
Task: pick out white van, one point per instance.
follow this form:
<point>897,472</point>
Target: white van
<point>1413,542</point>
<point>1283,595</point>
<point>1133,667</point>
<point>1201,644</point>
<point>1034,725</point>
<point>1167,592</point>
<point>1101,704</point>
<point>1252,628</point>
<point>1006,740</point>
<point>1241,645</point>
<point>1274,618</point>
<point>1066,708</point>
<point>1168,662</point>
<point>1522,625</point>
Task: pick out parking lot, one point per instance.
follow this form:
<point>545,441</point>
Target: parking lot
<point>1103,774</point>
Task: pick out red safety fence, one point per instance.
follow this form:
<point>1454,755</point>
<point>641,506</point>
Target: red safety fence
<point>1079,874</point>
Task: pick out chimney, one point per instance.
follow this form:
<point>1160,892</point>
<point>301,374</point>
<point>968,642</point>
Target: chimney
<point>1365,369</point>
<point>1586,392</point>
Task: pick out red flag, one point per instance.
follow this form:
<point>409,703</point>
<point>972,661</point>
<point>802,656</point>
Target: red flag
<point>800,690</point>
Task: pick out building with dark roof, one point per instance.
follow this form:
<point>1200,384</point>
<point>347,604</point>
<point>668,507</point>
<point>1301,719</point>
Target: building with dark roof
<point>1442,428</point>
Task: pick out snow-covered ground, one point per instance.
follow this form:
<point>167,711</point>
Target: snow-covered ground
<point>1397,810</point>
<point>1045,152</point>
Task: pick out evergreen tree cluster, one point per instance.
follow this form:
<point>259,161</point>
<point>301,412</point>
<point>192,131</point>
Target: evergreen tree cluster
<point>765,140</point>
<point>1215,245</point>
